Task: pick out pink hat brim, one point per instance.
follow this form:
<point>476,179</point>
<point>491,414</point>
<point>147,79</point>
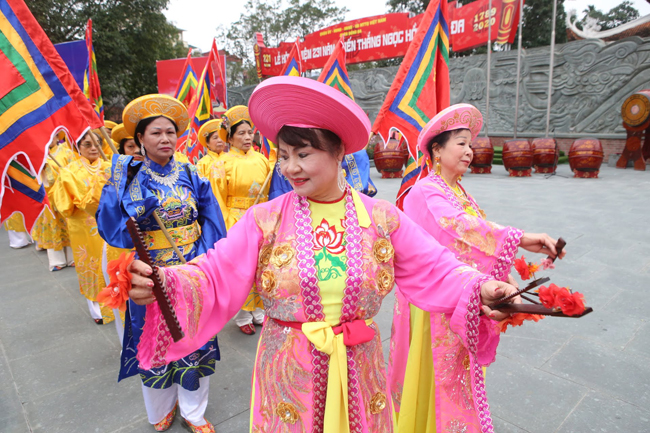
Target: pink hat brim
<point>458,116</point>
<point>307,103</point>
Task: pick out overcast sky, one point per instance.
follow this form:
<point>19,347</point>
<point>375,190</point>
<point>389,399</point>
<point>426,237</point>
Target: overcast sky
<point>200,18</point>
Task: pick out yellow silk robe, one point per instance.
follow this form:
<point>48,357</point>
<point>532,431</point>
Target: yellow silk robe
<point>50,231</point>
<point>245,174</point>
<point>211,167</point>
<point>76,195</point>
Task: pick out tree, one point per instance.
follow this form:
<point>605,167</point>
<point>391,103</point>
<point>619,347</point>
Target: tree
<point>414,6</point>
<point>621,14</point>
<point>277,24</point>
<point>128,37</point>
<point>538,15</point>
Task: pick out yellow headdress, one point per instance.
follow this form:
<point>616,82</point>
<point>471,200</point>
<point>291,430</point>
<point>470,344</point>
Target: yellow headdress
<point>208,128</point>
<point>231,118</point>
<point>119,133</point>
<point>109,124</point>
<point>155,105</point>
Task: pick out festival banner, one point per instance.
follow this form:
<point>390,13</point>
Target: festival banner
<point>75,56</point>
<point>388,36</point>
<point>334,73</point>
<point>420,90</point>
<point>92,89</point>
<point>38,96</point>
<point>187,82</point>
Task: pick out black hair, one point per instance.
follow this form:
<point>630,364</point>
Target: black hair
<point>120,147</point>
<point>321,139</point>
<point>142,126</point>
<point>440,140</point>
<point>233,128</point>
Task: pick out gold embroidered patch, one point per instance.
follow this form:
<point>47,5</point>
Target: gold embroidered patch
<point>265,255</point>
<point>385,281</point>
<point>383,250</point>
<point>466,363</point>
<point>287,413</point>
<point>281,255</point>
<point>377,403</point>
<point>269,282</point>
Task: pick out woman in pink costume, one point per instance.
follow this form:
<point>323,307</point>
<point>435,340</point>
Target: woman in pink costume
<point>431,367</point>
<point>323,258</point>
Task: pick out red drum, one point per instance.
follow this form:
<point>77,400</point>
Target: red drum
<point>518,157</point>
<point>390,159</point>
<point>585,157</point>
<point>545,155</point>
<point>483,155</point>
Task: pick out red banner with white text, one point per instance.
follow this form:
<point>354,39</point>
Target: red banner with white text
<point>388,36</point>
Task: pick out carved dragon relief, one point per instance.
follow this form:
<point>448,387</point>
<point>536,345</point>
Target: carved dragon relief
<point>591,79</point>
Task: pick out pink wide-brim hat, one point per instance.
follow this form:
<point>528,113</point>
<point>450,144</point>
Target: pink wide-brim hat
<point>458,116</point>
<point>307,103</point>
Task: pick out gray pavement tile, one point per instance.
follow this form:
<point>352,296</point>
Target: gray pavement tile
<point>237,424</point>
<point>600,368</point>
<point>14,424</point>
<point>11,410</point>
<point>35,335</point>
<point>531,343</point>
<point>640,344</point>
<point>230,386</point>
<point>601,413</point>
<point>502,426</point>
<point>528,397</point>
<point>96,405</point>
<point>76,362</point>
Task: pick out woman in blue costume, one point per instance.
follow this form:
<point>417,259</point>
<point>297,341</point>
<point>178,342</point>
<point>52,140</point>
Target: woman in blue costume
<point>184,201</point>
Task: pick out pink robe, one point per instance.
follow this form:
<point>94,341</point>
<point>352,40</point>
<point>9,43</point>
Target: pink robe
<point>485,246</point>
<point>269,247</point>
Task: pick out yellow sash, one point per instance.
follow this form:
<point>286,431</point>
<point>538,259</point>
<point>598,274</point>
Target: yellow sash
<point>156,240</point>
<point>321,335</point>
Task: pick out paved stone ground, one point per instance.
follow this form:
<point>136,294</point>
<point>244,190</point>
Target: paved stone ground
<point>58,369</point>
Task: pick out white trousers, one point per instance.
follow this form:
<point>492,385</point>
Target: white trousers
<point>95,311</point>
<point>60,258</point>
<point>246,317</point>
<point>18,239</point>
<point>159,402</point>
<point>119,325</point>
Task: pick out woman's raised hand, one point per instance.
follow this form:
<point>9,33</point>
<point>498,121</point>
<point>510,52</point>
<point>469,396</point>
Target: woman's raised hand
<point>540,243</point>
<point>494,290</point>
<point>141,284</point>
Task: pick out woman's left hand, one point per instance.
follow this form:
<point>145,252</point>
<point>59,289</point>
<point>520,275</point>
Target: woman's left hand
<point>492,291</point>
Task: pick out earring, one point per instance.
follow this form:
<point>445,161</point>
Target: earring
<point>142,150</point>
<point>459,178</point>
<point>341,179</point>
<point>437,165</point>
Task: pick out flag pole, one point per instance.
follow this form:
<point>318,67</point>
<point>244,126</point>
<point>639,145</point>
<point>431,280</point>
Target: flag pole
<point>108,139</point>
<point>550,72</point>
<point>521,19</point>
<point>93,138</point>
<point>489,55</point>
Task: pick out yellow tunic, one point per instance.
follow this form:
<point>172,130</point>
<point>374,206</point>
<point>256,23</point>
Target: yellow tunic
<point>50,231</point>
<point>245,175</point>
<point>16,223</point>
<point>181,157</point>
<point>76,195</point>
<point>211,167</point>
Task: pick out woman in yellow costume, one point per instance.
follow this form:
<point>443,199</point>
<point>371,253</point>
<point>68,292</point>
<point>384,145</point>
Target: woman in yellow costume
<point>211,166</point>
<point>246,172</point>
<point>76,195</point>
<point>50,231</point>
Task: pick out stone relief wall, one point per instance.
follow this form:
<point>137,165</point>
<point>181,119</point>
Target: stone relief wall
<point>591,79</point>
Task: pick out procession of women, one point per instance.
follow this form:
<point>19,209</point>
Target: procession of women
<point>291,247</point>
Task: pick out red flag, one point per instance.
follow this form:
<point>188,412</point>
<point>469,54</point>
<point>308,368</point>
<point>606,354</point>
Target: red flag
<point>334,73</point>
<point>91,80</point>
<point>420,90</point>
<point>39,96</point>
<point>186,88</point>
